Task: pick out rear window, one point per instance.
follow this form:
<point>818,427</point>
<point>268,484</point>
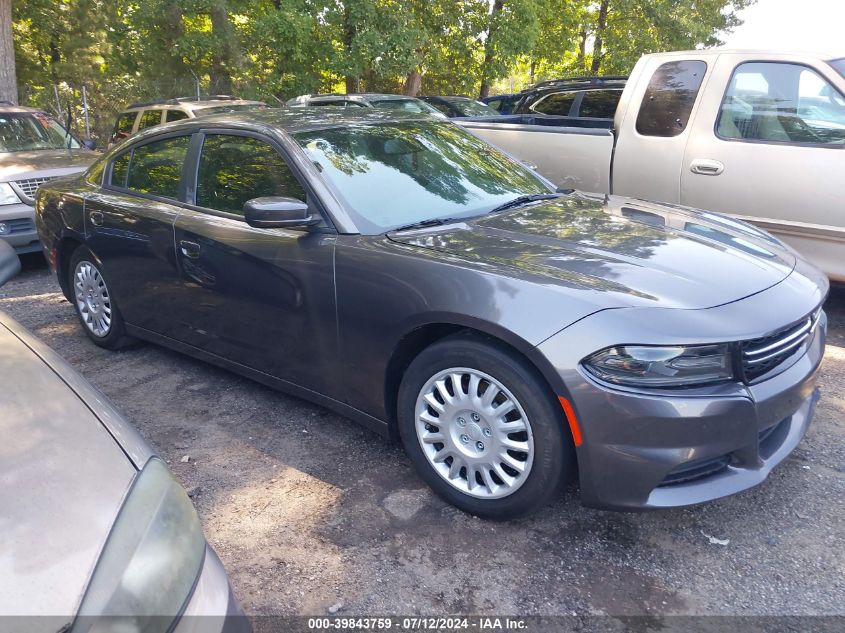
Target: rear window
<point>669,98</point>
<point>156,168</point>
<point>599,104</point>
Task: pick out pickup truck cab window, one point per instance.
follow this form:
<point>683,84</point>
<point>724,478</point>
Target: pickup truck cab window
<point>781,103</point>
<point>669,98</point>
<point>235,169</point>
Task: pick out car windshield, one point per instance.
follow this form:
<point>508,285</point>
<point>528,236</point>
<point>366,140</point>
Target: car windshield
<point>415,106</point>
<point>32,131</point>
<point>468,107</point>
<point>839,65</point>
<point>395,174</point>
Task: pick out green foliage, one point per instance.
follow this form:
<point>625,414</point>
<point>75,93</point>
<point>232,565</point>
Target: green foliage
<point>124,50</point>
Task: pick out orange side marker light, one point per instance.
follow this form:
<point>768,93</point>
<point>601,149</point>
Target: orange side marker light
<point>572,419</point>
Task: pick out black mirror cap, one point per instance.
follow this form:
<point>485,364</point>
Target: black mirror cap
<point>278,212</point>
<point>89,143</point>
<point>10,264</point>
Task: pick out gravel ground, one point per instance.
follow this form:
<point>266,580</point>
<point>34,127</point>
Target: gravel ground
<point>308,511</point>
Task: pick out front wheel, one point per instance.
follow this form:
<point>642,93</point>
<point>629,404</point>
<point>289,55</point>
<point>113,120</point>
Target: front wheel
<point>95,306</point>
<point>482,428</point>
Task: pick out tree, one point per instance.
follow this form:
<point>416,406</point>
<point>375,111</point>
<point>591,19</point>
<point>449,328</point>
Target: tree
<point>8,79</point>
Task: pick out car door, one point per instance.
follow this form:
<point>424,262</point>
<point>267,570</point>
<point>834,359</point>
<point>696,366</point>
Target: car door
<point>769,147</point>
<point>261,298</point>
<point>129,227</point>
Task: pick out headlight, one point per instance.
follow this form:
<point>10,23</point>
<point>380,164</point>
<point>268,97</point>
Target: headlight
<point>646,366</point>
<point>8,195</point>
<point>150,562</point>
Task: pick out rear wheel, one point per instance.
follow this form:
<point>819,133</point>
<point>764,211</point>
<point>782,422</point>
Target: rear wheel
<point>482,429</point>
<point>95,306</point>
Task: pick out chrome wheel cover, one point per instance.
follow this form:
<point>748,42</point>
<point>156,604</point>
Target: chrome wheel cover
<point>474,433</point>
<point>92,298</point>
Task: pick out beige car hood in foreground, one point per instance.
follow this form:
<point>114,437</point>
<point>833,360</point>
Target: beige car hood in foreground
<point>63,478</point>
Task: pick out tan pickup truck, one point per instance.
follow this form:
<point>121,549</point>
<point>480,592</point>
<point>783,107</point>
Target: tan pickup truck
<point>755,134</point>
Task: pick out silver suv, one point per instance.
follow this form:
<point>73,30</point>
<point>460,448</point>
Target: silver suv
<point>144,114</point>
<point>34,148</point>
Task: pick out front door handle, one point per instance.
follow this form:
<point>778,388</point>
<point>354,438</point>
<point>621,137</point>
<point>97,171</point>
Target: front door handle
<point>96,218</point>
<point>190,249</point>
<point>706,167</point>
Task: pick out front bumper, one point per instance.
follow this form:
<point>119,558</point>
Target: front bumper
<point>212,607</point>
<point>645,451</point>
<point>20,232</point>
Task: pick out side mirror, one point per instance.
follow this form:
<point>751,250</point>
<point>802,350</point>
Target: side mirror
<point>89,143</point>
<point>278,212</point>
<point>9,262</point>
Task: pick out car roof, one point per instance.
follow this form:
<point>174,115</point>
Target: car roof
<point>289,120</point>
<point>189,105</point>
<point>5,106</point>
<point>448,98</point>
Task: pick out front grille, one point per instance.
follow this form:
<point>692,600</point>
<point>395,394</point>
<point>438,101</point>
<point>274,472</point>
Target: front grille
<point>761,355</point>
<point>20,225</point>
<point>29,186</point>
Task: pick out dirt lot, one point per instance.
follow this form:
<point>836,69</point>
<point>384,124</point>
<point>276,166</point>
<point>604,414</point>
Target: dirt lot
<point>309,511</point>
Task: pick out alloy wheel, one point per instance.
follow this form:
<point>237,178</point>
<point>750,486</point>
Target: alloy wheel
<point>474,433</point>
<point>92,299</point>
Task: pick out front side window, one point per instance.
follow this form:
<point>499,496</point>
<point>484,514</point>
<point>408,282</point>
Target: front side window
<point>156,168</point>
<point>236,169</point>
<point>149,119</point>
<point>559,104</point>
<point>669,98</point>
<point>781,103</point>
<point>599,104</point>
<point>29,132</point>
<point>395,174</point>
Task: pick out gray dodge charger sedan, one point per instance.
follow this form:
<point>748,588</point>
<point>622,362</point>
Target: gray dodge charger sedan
<point>403,272</point>
<point>97,534</point>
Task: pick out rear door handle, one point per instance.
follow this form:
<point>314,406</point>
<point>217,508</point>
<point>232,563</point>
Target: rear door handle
<point>706,167</point>
<point>190,249</point>
<point>96,218</point>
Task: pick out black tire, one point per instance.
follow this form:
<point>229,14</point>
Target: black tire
<point>553,452</point>
<point>115,337</point>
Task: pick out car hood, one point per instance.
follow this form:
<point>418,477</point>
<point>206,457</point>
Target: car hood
<point>14,165</point>
<point>634,253</point>
<point>63,478</point>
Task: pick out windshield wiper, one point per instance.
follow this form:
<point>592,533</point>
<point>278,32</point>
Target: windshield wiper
<point>525,200</point>
<point>422,224</point>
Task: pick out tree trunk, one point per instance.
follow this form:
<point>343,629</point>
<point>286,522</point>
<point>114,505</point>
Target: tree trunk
<point>486,72</point>
<point>225,55</point>
<point>599,43</point>
<point>353,82</point>
<point>532,71</point>
<point>8,79</point>
<point>582,49</point>
<point>413,82</point>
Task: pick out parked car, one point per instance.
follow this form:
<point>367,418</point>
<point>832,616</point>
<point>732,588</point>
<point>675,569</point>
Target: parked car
<point>577,97</point>
<point>34,148</point>
<point>755,134</point>
<point>95,528</point>
<point>144,114</point>
<point>505,103</point>
<point>456,107</point>
<point>366,100</point>
<point>403,272</point>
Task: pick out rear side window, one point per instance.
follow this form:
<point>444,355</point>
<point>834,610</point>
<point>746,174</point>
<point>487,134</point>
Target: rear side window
<point>175,115</point>
<point>156,168</point>
<point>782,103</point>
<point>149,119</point>
<point>123,126</point>
<point>599,104</point>
<point>557,104</point>
<point>235,169</point>
<point>669,98</point>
